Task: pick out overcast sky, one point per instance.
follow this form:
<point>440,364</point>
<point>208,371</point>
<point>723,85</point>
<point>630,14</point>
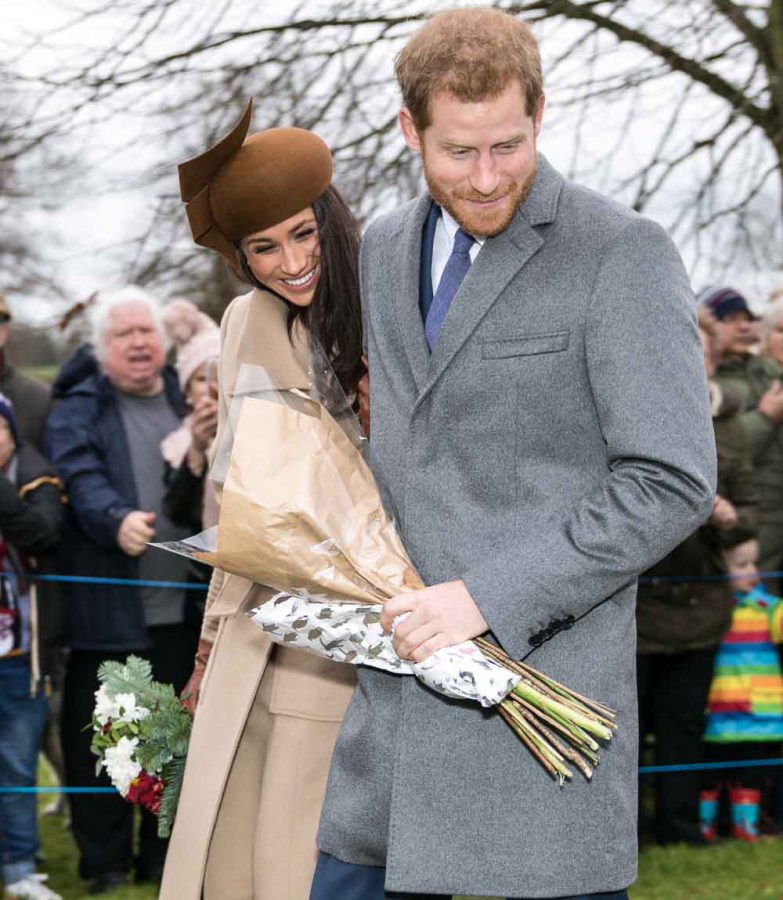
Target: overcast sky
<point>88,232</point>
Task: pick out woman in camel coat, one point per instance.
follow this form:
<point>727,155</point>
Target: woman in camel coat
<point>267,716</point>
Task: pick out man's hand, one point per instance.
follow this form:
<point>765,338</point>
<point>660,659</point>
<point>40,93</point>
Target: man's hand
<point>440,616</point>
<point>771,404</point>
<point>724,517</point>
<point>136,530</point>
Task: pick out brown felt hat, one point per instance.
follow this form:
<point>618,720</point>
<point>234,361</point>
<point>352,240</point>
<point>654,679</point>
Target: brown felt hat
<point>243,184</point>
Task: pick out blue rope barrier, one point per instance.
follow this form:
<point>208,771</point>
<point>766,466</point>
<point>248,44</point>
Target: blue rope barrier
<point>192,586</point>
<point>709,766</point>
<point>195,586</point>
<point>122,582</point>
<point>643,770</point>
<point>692,579</point>
<point>57,790</point>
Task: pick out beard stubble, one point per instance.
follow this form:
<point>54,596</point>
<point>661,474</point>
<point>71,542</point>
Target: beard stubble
<point>476,223</point>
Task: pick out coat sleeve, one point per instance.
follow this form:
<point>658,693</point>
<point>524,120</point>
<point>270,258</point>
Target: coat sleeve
<point>649,389</point>
<point>31,523</point>
<point>740,487</point>
<point>760,431</point>
<point>184,497</point>
<point>98,506</point>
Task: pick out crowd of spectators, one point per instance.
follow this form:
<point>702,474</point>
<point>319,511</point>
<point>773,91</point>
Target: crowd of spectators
<point>126,437</point>
<point>115,455</point>
<point>705,601</point>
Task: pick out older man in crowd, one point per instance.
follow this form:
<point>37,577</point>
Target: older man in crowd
<point>104,439</point>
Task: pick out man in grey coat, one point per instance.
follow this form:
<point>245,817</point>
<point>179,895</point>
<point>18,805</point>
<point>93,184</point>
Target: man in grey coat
<point>541,432</point>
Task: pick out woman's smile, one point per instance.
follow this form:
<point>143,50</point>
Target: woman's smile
<point>303,282</point>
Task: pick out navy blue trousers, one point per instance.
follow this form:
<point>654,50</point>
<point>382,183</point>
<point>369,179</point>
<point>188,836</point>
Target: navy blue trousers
<point>336,880</point>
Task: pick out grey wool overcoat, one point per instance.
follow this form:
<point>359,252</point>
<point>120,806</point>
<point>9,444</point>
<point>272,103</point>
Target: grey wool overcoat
<point>557,443</point>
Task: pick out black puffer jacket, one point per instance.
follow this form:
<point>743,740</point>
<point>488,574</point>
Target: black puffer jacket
<point>32,515</point>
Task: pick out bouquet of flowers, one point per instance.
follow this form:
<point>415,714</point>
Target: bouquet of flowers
<point>302,514</point>
<point>141,734</point>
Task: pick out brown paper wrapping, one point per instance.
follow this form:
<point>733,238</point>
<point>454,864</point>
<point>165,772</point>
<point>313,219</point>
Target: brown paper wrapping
<point>301,510</point>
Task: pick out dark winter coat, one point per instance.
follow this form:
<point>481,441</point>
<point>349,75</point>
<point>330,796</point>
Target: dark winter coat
<point>86,441</point>
<point>674,615</point>
<point>32,517</point>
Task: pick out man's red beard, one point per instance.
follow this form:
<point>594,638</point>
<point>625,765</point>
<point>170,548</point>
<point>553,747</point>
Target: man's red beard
<point>473,220</point>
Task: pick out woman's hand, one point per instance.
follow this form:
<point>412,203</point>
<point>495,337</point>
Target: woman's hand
<point>190,692</point>
<point>204,424</point>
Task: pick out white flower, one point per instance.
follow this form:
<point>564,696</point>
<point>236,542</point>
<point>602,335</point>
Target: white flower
<point>105,707</point>
<point>120,765</point>
<point>129,712</point>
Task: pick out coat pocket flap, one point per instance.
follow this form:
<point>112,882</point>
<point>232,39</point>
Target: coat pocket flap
<point>528,345</point>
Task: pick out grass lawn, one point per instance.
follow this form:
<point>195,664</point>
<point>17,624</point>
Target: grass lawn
<point>727,871</point>
<point>42,373</point>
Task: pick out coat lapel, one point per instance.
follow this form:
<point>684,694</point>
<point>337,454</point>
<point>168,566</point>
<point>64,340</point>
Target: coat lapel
<point>499,260</point>
<point>406,266</point>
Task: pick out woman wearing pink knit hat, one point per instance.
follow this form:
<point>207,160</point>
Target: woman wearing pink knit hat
<point>196,339</point>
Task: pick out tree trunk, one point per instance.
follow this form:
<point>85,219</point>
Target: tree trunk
<point>775,35</point>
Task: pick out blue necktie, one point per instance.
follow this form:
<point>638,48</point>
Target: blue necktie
<point>456,269</point>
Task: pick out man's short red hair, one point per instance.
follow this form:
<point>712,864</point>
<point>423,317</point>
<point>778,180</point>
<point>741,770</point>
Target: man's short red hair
<point>471,53</point>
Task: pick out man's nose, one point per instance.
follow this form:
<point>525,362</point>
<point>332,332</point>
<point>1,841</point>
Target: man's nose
<point>485,176</point>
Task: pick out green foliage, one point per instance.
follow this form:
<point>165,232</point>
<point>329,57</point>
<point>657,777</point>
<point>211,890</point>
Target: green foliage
<point>163,734</point>
<point>130,677</point>
<point>173,773</point>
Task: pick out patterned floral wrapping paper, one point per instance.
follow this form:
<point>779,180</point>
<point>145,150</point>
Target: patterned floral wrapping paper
<point>351,633</point>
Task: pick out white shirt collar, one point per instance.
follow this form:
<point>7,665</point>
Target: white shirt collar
<point>451,225</point>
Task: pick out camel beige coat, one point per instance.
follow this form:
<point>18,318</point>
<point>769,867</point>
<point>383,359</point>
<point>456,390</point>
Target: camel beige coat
<point>267,717</point>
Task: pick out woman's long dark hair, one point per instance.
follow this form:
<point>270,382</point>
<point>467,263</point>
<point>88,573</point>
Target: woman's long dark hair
<point>334,318</point>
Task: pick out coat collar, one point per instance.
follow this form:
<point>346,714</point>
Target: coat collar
<point>406,264</point>
<point>500,259</point>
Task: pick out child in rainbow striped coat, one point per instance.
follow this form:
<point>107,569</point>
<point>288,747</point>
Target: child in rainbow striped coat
<point>745,704</point>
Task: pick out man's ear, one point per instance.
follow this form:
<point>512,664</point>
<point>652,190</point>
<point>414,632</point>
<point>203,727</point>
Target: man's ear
<point>539,114</point>
<point>408,129</point>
